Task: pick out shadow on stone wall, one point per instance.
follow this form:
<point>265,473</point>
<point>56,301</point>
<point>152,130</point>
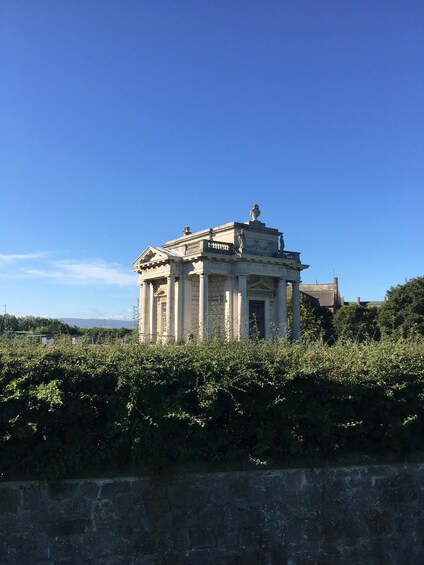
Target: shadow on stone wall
<point>358,514</point>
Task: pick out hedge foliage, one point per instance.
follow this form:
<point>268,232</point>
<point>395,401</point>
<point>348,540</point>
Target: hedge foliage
<point>73,410</point>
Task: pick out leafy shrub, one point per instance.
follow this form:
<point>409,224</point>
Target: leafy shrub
<point>70,410</point>
<point>357,323</point>
<point>402,314</point>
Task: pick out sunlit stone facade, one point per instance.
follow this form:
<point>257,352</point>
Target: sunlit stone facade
<point>230,280</point>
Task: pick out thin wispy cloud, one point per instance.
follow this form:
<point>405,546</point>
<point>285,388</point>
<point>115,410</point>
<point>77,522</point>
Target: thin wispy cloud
<point>15,257</point>
<point>66,271</point>
<point>96,271</point>
<point>40,273</point>
<point>104,315</point>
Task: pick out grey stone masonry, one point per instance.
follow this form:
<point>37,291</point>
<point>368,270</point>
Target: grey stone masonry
<point>367,514</point>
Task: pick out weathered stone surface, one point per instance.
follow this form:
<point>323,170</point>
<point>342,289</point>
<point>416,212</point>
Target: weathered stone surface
<point>184,493</point>
<point>357,515</point>
<point>114,488</point>
<point>10,500</point>
<point>69,527</point>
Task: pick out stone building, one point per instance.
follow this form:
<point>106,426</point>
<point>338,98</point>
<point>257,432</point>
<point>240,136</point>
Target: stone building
<point>324,294</point>
<point>229,280</point>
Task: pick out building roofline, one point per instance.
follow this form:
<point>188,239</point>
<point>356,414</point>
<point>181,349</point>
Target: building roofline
<point>205,233</point>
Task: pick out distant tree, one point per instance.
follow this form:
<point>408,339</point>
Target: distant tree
<point>325,318</point>
<point>316,322</point>
<point>56,327</point>
<point>9,323</point>
<point>35,325</point>
<point>356,323</point>
<point>402,315</point>
<point>105,335</point>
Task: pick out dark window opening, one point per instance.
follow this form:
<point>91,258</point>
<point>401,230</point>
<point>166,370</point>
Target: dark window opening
<point>256,319</point>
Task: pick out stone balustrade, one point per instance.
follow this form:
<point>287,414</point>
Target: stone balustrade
<point>223,248</point>
<point>220,247</point>
<point>291,255</point>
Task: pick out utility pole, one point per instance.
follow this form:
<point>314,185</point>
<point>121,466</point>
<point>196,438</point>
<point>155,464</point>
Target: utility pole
<point>135,312</point>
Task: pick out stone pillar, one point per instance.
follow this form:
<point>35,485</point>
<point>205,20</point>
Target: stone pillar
<point>282,307</point>
<point>187,318</point>
<point>151,311</point>
<point>203,306</point>
<point>179,318</point>
<point>141,313</point>
<point>229,306</point>
<point>170,307</point>
<point>148,290</point>
<point>243,307</point>
<point>296,310</point>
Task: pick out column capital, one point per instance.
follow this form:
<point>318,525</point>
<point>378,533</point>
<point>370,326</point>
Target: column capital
<point>203,268</point>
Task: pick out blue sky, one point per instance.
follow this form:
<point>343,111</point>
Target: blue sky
<point>121,122</point>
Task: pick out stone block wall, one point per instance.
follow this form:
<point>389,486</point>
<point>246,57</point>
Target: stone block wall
<point>350,515</point>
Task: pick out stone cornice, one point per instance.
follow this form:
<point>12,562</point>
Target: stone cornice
<point>232,262</point>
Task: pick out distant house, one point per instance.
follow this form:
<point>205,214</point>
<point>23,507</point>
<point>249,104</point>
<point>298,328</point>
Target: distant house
<point>326,294</point>
<point>366,303</point>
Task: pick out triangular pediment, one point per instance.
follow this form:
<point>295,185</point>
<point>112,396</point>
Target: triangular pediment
<point>155,255</point>
<point>261,286</point>
<point>160,292</point>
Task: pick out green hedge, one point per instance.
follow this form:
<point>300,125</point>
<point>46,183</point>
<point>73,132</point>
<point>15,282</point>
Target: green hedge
<point>70,410</point>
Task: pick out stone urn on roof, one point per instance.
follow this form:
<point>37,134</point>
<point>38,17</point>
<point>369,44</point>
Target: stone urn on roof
<point>255,213</point>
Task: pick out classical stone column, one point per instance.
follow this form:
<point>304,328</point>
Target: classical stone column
<point>187,318</point>
<point>282,306</point>
<point>146,309</point>
<point>179,321</point>
<point>170,306</point>
<point>243,307</point>
<point>203,306</point>
<point>142,329</point>
<point>151,311</point>
<point>296,310</point>
<point>229,306</point>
